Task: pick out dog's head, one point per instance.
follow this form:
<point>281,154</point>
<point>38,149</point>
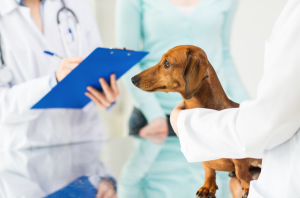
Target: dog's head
<point>182,69</point>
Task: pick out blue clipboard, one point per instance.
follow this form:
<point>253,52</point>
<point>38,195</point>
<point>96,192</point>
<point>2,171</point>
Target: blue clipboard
<point>80,188</point>
<point>102,62</point>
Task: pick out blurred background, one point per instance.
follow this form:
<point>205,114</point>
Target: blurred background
<point>252,26</point>
<point>139,166</point>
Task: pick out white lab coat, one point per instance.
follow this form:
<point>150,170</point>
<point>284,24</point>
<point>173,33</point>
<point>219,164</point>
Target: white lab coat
<point>24,45</point>
<point>262,128</point>
<point>40,172</point>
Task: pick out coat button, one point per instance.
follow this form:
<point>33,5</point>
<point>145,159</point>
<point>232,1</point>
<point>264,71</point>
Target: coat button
<point>184,149</point>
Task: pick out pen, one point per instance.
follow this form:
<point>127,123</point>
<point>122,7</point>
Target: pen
<point>52,54</point>
<point>70,31</point>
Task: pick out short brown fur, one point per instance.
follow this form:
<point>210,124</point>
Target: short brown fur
<point>191,74</point>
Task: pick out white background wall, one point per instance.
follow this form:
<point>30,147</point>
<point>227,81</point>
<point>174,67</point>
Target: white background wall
<point>252,27</point>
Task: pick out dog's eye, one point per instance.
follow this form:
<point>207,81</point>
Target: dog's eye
<point>167,64</point>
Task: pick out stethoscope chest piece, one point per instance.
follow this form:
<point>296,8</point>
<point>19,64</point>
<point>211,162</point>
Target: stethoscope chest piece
<point>5,75</point>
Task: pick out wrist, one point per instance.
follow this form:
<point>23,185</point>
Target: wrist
<point>53,81</point>
<point>57,77</point>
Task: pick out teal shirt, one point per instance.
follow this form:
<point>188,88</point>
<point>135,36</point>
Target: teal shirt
<point>157,26</point>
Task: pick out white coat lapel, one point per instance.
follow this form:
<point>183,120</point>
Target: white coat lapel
<point>7,6</point>
<point>25,12</point>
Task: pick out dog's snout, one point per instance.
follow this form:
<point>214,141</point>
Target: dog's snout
<point>135,80</point>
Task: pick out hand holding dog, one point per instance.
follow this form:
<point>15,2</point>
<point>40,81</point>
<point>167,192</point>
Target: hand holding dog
<point>174,116</point>
<point>156,131</point>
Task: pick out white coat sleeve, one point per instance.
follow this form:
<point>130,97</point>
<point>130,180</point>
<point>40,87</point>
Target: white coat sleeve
<point>260,124</point>
<point>16,101</point>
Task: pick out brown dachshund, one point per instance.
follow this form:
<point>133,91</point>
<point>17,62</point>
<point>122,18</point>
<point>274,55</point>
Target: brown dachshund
<point>185,69</point>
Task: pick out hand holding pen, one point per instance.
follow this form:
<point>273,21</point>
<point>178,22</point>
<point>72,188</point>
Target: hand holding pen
<point>66,65</point>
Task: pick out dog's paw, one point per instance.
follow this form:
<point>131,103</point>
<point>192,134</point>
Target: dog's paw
<point>245,196</point>
<point>207,192</point>
<point>232,174</point>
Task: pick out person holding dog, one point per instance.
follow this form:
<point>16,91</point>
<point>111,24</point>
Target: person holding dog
<point>266,127</point>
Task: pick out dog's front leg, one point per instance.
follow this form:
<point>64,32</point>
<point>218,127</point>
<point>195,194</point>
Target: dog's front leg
<point>243,174</point>
<point>210,187</point>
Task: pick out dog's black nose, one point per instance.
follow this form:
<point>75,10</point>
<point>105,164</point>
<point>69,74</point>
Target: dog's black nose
<point>135,80</point>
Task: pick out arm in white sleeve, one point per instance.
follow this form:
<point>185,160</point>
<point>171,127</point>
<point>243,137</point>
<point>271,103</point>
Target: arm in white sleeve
<point>260,124</point>
<point>16,101</point>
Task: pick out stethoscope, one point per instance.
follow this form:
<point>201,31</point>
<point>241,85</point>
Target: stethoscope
<point>78,29</point>
<point>5,73</point>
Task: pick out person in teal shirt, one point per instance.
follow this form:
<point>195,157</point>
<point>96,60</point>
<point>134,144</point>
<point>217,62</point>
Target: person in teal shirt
<point>159,25</point>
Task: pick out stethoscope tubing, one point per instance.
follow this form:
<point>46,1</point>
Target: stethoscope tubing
<point>1,54</point>
<point>5,74</point>
<point>79,43</point>
<point>78,29</point>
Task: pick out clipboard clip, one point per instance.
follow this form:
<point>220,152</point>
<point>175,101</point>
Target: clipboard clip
<point>121,49</point>
<point>124,48</point>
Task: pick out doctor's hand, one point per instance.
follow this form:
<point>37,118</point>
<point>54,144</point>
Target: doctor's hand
<point>66,66</point>
<point>109,95</point>
<point>174,116</point>
<point>156,131</point>
<point>106,189</point>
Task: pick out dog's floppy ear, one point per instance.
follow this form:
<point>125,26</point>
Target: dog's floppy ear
<point>194,74</point>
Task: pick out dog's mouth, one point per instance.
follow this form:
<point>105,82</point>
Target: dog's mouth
<point>152,90</point>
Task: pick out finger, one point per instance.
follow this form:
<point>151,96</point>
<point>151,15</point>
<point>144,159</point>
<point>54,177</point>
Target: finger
<point>142,134</point>
<point>100,193</point>
<point>71,65</point>
<point>148,132</point>
<point>180,106</point>
<point>157,136</point>
<point>103,188</point>
<point>98,103</point>
<point>154,130</point>
<point>108,92</point>
<point>75,59</point>
<point>65,72</point>
<point>109,193</point>
<point>144,131</point>
<point>153,134</point>
<point>99,96</point>
<point>114,85</point>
